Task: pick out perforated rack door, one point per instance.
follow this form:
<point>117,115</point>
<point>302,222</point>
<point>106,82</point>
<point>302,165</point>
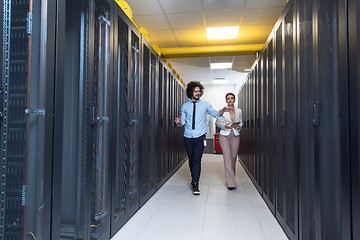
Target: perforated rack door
<point>13,125</point>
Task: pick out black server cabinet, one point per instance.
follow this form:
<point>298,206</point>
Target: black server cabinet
<point>354,106</point>
<point>257,137</point>
<point>26,95</point>
<point>252,124</point>
<point>152,109</point>
<point>100,134</point>
<point>247,132</point>
<point>147,165</point>
<point>144,163</point>
<point>269,173</point>
<point>120,161</point>
<point>160,125</point>
<point>289,124</point>
<point>263,126</point>
<point>173,124</point>
<point>175,145</point>
<point>169,120</point>
<point>170,123</point>
<point>306,131</point>
<point>161,136</point>
<point>72,123</point>
<point>248,121</point>
<point>279,116</point>
<point>271,127</point>
<point>240,98</point>
<point>157,127</point>
<point>244,137</point>
<point>132,134</point>
<point>331,120</point>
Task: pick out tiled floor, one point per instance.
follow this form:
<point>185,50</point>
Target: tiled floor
<point>174,213</point>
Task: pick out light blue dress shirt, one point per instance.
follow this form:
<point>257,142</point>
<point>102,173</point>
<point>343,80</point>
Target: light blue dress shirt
<point>200,117</point>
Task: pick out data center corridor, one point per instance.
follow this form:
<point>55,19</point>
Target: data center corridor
<point>174,213</point>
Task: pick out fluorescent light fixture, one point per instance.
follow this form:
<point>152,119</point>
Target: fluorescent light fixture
<point>220,81</point>
<point>247,69</point>
<point>217,33</point>
<point>221,65</point>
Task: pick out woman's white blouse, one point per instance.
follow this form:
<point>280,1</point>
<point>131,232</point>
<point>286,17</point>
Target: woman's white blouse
<point>225,118</point>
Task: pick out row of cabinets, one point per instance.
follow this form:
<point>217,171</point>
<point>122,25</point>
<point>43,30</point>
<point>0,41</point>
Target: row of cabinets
<point>87,120</point>
<point>299,137</point>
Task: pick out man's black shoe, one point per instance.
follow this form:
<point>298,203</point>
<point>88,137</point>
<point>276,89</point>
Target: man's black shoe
<point>231,188</point>
<point>195,187</point>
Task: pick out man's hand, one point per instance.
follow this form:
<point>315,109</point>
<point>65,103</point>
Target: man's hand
<point>178,121</point>
<point>227,126</point>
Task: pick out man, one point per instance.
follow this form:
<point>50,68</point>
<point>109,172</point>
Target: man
<point>193,116</point>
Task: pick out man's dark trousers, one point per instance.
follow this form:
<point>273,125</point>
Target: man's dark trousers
<point>195,148</point>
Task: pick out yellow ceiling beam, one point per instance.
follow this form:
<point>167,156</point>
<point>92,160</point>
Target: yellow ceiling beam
<point>211,51</point>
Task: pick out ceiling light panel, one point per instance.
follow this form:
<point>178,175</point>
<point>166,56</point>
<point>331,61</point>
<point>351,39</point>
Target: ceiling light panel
<point>221,59</point>
<point>217,81</point>
<point>218,33</point>
<point>221,65</point>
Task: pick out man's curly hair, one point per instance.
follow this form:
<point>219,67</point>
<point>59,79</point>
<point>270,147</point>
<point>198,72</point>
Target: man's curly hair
<point>191,86</point>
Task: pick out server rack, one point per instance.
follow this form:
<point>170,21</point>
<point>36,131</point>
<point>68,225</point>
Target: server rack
<point>307,95</point>
<point>279,120</point>
<point>26,112</point>
<point>263,126</point>
<point>269,123</point>
<point>75,86</point>
<point>306,145</point>
<point>71,123</point>
<point>119,171</point>
<point>160,133</point>
<point>353,27</point>
<point>147,163</point>
<point>290,123</point>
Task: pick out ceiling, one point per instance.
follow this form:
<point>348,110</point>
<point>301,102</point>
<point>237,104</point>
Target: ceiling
<point>178,28</point>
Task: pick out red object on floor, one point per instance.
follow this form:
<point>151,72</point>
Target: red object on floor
<point>217,147</point>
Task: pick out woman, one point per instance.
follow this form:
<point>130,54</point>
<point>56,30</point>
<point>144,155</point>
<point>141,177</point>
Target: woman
<point>230,124</point>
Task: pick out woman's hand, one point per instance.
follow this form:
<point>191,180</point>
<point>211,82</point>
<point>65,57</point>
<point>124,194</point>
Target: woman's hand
<point>227,126</point>
<point>225,109</point>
